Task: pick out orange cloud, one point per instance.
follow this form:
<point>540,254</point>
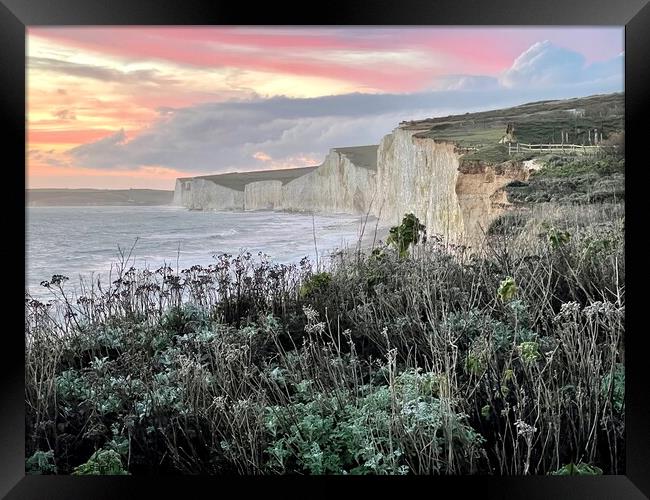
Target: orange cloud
<point>260,155</point>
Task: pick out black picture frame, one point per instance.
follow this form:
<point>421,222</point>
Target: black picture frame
<point>16,15</point>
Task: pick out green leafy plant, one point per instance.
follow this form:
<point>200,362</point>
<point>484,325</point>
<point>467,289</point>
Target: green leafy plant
<point>102,462</point>
<point>507,289</point>
<point>529,351</point>
<point>315,284</point>
<point>410,232</point>
<point>556,237</point>
<point>618,386</point>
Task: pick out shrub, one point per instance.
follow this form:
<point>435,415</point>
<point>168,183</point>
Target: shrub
<point>578,470</point>
<point>373,433</point>
<point>409,232</point>
<point>41,462</point>
<point>316,285</point>
<point>508,224</point>
<point>102,462</point>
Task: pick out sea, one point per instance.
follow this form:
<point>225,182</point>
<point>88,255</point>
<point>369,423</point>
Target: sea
<point>84,242</point>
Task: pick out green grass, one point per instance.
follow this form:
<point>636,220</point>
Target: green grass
<point>573,179</point>
<point>538,122</point>
<point>464,134</point>
<point>492,154</point>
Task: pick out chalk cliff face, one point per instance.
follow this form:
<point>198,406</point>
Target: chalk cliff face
<point>339,185</point>
<point>180,196</point>
<point>419,176</point>
<point>202,194</point>
<point>406,173</point>
<point>262,195</point>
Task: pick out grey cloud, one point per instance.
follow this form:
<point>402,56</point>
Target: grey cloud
<point>99,72</point>
<point>223,137</point>
<point>90,154</point>
<point>466,82</point>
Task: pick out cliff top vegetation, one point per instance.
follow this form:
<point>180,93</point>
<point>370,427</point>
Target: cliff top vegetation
<point>540,122</point>
<point>238,180</point>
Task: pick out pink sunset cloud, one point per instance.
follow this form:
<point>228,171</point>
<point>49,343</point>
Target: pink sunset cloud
<point>482,50</point>
<point>252,53</point>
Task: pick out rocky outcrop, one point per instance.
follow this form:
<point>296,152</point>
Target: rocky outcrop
<point>480,193</point>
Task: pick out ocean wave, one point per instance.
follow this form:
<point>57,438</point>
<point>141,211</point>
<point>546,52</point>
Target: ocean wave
<point>222,234</point>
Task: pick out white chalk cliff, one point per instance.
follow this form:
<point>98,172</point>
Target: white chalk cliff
<point>419,176</point>
<point>404,173</point>
<point>343,183</point>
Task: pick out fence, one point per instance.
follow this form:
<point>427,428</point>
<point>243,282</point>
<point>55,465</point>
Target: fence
<point>520,148</point>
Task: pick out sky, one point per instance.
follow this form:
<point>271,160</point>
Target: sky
<point>137,107</point>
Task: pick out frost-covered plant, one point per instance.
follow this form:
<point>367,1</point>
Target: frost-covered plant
<point>580,469</point>
<point>373,433</point>
<point>103,463</point>
<point>41,462</point>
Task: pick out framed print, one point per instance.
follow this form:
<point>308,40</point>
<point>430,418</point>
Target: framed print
<point>380,239</point>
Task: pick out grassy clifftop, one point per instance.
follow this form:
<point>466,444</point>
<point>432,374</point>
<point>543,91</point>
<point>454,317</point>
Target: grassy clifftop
<point>534,123</point>
<point>238,180</point>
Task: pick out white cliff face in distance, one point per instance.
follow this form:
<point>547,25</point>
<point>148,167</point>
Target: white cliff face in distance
<point>203,194</point>
<point>343,183</point>
<point>404,173</point>
<point>263,195</point>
